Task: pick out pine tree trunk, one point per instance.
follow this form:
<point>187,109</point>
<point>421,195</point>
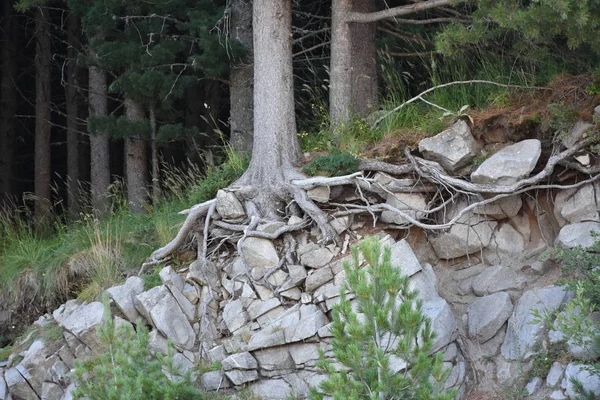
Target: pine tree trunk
<point>365,88</point>
<point>241,78</point>
<point>43,57</point>
<point>136,159</point>
<point>155,160</point>
<point>8,100</point>
<point>340,71</point>
<point>99,142</point>
<point>72,105</point>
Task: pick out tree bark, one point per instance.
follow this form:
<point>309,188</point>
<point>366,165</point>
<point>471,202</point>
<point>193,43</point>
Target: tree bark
<point>136,161</point>
<point>340,71</point>
<point>72,106</point>
<point>356,16</point>
<point>365,88</point>
<point>8,100</point>
<point>155,160</point>
<point>241,78</point>
<point>99,142</point>
<point>43,57</point>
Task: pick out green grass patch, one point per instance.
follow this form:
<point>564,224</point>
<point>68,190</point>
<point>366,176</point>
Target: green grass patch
<point>336,164</point>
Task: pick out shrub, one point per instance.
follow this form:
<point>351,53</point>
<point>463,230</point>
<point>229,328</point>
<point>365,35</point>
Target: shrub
<point>387,322</point>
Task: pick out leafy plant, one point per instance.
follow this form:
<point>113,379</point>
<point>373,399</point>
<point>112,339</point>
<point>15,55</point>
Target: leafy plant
<point>385,323</point>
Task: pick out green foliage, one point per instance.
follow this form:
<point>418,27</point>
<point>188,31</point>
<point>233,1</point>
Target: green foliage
<point>385,320</point>
<point>543,359</point>
<point>151,280</point>
<point>335,164</point>
<point>218,178</point>
<point>127,370</point>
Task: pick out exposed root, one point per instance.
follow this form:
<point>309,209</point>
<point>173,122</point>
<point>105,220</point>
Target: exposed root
<point>318,216</point>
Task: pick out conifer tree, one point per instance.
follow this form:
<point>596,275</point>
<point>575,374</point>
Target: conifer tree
<point>384,326</point>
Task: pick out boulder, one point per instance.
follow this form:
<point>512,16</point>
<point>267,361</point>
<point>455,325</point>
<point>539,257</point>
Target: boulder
<point>443,322</point>
<point>577,205</point>
<point>228,206</point>
<point>214,380</point>
<point>403,257</point>
<point>453,148</point>
<point>467,236</point>
<point>487,315</point>
<point>589,382</point>
<point>81,320</point>
<point>272,389</point>
<point>522,333</point>
<point>3,387</point>
<point>124,296</point>
<point>314,256</point>
<point>496,279</point>
<point>506,207</point>
<point>303,353</point>
<point>578,234</point>
<point>259,253</point>
<point>239,377</point>
<point>555,374</point>
<point>411,204</point>
<point>578,132</point>
<point>234,315</point>
<point>274,359</point>
<point>506,246</point>
<point>311,320</point>
<point>18,386</point>
<point>242,360</point>
<point>509,165</point>
<point>318,278</point>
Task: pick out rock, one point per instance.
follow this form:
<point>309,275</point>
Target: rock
<point>274,359</point>
<point>506,207</point>
<point>470,234</point>
<point>558,395</point>
<point>259,307</point>
<point>522,333</point>
<point>578,205</point>
<point>533,385</point>
<point>487,315</point>
<point>214,380</point>
<point>124,296</point>
<point>259,253</point>
<point>265,338</point>
<point>496,279</point>
<point>239,377</point>
<point>272,389</point>
<point>578,132</point>
<point>411,204</point>
<point>590,383</point>
<point>239,361</point>
<point>311,320</point>
<point>443,322</point>
<point>403,257</point>
<point>161,309</point>
<point>318,278</point>
<point>297,275</point>
<point>292,294</point>
<point>506,246</point>
<point>18,386</point>
<point>81,321</point>
<point>217,354</point>
<point>341,224</point>
<point>228,206</point>
<point>578,234</point>
<point>3,387</point>
<point>234,315</point>
<point>314,256</point>
<point>509,165</point>
<point>303,353</point>
<point>422,282</point>
<point>320,194</point>
<point>171,279</point>
<point>157,342</point>
<point>181,364</point>
<point>278,278</point>
<point>453,148</point>
<point>555,374</point>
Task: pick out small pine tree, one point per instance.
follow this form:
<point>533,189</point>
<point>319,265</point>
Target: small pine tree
<point>386,321</point>
<point>126,370</point>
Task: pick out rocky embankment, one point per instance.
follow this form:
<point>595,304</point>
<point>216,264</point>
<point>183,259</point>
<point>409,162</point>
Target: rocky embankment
<point>263,311</point>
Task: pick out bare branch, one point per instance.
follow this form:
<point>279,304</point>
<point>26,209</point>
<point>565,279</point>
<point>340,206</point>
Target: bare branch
<point>395,11</point>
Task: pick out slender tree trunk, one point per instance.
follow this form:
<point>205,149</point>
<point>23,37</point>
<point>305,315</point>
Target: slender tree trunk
<point>241,78</point>
<point>155,160</point>
<point>365,88</point>
<point>340,71</point>
<point>8,100</point>
<point>99,142</point>
<point>136,159</point>
<point>72,105</point>
<point>43,57</point>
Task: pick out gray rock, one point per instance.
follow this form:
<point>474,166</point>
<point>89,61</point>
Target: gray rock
<point>578,234</point>
<point>234,315</point>
<point>259,253</point>
<point>311,320</point>
<point>259,307</point>
<point>443,322</point>
<point>590,383</point>
<point>228,206</point>
<point>171,279</point>
<point>412,204</point>
<point>81,321</point>
<point>272,389</point>
<point>69,392</point>
<point>239,361</point>
<point>577,205</point>
<point>453,148</point>
<point>341,224</point>
<point>124,296</point>
<point>507,246</point>
<point>274,359</point>
<point>487,315</point>
<point>422,282</point>
<point>522,333</point>
<point>496,279</point>
<point>506,207</point>
<point>214,380</point>
<point>297,275</point>
<point>18,386</point>
<point>51,391</point>
<point>578,132</point>
<point>533,385</point>
<point>510,164</point>
<point>303,353</point>
<point>161,309</point>
<point>292,294</point>
<point>558,395</point>
<point>318,278</point>
<point>555,374</point>
<point>157,342</point>
<point>403,257</point>
<point>3,387</point>
<point>265,338</point>
<point>314,256</point>
<point>596,115</point>
<point>239,377</point>
<point>320,194</point>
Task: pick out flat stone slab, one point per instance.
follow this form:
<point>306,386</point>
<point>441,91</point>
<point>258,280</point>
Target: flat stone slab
<point>496,279</point>
<point>510,164</point>
<point>487,315</point>
<point>453,148</point>
<point>124,296</point>
<point>578,234</point>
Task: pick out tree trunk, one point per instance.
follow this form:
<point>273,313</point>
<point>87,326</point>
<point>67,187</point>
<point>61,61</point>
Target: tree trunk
<point>365,88</point>
<point>340,71</point>
<point>136,159</point>
<point>72,105</point>
<point>8,100</point>
<point>99,142</point>
<point>155,160</point>
<point>43,57</point>
<point>241,78</point>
